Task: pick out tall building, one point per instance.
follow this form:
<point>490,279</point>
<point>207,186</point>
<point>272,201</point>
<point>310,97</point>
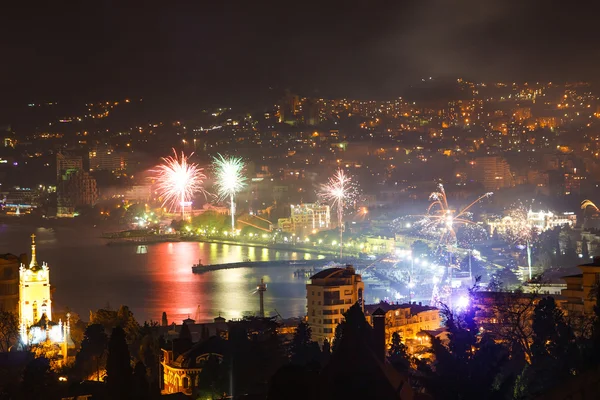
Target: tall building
<point>493,172</point>
<point>9,282</point>
<point>288,108</point>
<point>75,187</point>
<point>106,159</point>
<point>34,290</point>
<point>580,287</point>
<point>311,112</point>
<point>35,311</point>
<point>329,295</point>
<point>66,162</point>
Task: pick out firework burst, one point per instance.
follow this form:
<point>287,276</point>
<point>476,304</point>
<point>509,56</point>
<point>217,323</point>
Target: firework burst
<point>230,180</point>
<point>441,220</point>
<point>178,180</point>
<point>340,192</point>
<point>518,229</point>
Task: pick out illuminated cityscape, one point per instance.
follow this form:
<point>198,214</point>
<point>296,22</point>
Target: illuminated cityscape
<point>300,201</point>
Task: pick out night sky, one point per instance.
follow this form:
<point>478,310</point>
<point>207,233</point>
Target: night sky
<point>243,51</point>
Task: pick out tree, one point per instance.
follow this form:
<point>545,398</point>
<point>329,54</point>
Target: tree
<point>513,312</point>
<point>9,330</point>
<point>467,367</point>
<point>213,380</point>
<point>38,381</point>
<point>140,388</point>
<point>149,352</point>
<point>555,355</point>
<point>118,365</point>
<point>303,349</point>
<point>398,353</point>
<point>91,355</point>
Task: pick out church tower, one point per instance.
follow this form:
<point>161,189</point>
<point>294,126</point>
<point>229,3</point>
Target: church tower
<point>34,291</point>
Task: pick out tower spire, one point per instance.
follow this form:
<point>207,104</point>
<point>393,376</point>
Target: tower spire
<point>33,262</point>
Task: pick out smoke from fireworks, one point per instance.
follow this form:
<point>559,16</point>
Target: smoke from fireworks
<point>440,219</point>
<point>178,181</point>
<point>339,192</point>
<point>229,180</point>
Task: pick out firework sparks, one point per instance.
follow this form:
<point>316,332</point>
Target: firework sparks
<point>178,181</point>
<point>440,219</point>
<point>518,229</point>
<point>229,180</point>
<point>339,192</point>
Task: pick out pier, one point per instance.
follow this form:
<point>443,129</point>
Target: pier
<point>305,267</point>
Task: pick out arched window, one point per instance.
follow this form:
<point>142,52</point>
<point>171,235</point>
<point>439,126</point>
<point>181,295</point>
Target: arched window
<point>186,382</point>
<point>35,312</point>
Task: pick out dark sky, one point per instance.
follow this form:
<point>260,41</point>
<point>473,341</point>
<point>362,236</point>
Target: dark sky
<point>234,51</point>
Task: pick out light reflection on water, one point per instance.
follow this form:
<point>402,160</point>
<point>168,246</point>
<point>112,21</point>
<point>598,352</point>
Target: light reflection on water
<point>89,275</point>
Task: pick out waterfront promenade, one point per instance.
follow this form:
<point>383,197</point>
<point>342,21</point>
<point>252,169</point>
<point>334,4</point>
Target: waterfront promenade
<point>119,238</point>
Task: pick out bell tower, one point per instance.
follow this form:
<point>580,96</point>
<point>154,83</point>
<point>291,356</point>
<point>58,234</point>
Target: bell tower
<point>34,290</point>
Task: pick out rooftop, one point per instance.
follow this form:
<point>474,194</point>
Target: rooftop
<point>334,273</point>
<point>414,308</point>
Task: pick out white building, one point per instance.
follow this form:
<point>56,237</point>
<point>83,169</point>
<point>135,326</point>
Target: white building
<point>306,218</point>
<point>329,295</point>
<point>35,306</point>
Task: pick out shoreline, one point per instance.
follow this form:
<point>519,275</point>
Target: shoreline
<point>279,247</point>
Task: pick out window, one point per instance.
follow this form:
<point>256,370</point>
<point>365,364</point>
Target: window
<point>328,330</point>
<point>186,382</point>
<point>347,292</point>
<point>319,303</point>
<point>313,292</point>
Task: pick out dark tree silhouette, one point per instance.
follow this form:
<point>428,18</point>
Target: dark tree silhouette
<point>555,355</point>
<point>118,365</point>
<point>303,350</point>
<point>398,354</point>
<point>38,381</point>
<point>91,356</point>
<point>140,389</point>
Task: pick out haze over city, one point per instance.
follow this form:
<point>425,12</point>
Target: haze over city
<point>318,200</point>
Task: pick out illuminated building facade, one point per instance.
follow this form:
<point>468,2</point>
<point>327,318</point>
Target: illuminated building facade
<point>35,307</point>
<point>538,220</point>
<point>493,172</point>
<point>107,159</point>
<point>579,289</point>
<point>306,218</point>
<point>408,320</point>
<point>329,295</point>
